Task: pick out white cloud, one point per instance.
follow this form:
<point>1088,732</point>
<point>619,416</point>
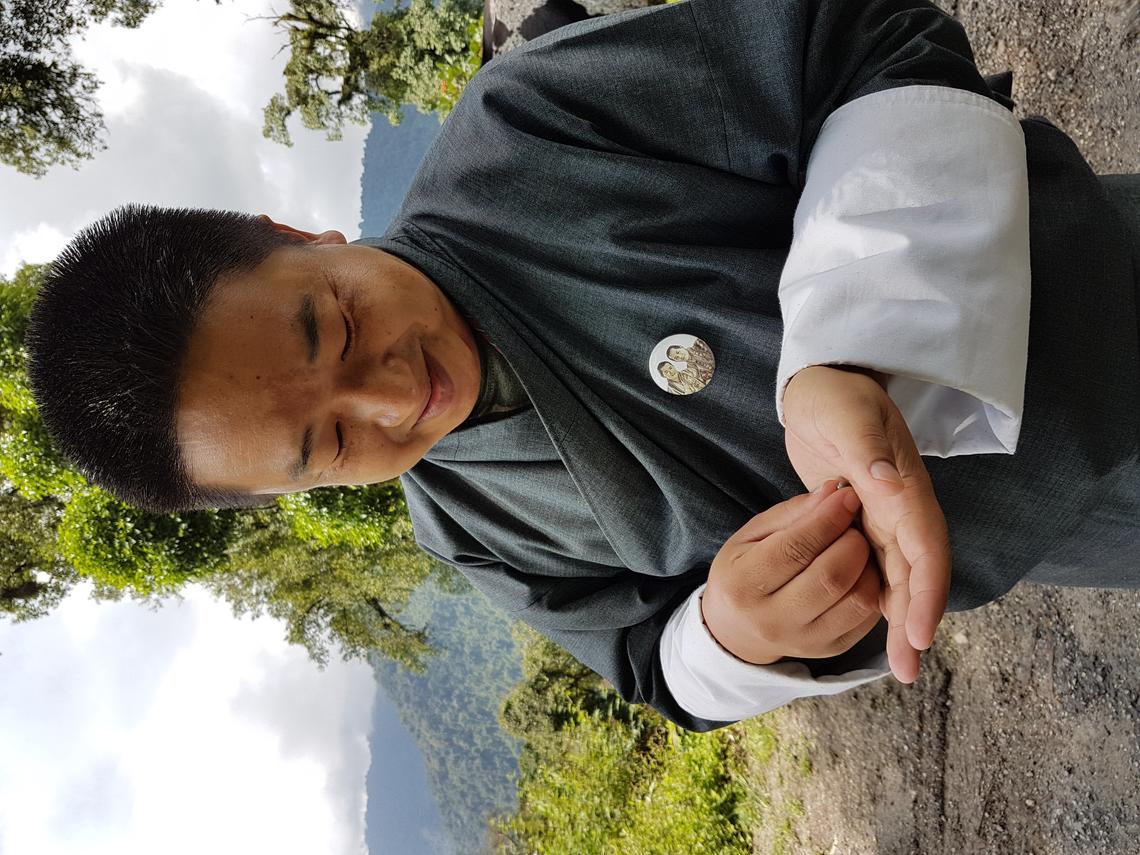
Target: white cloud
<point>39,243</point>
<point>180,730</point>
<point>182,99</point>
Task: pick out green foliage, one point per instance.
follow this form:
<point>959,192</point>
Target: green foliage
<point>16,298</point>
<point>146,555</point>
<point>554,689</point>
<point>360,517</point>
<point>444,49</point>
<point>338,593</point>
<point>33,579</point>
<point>422,55</point>
<point>601,776</point>
<point>28,460</point>
<point>694,804</point>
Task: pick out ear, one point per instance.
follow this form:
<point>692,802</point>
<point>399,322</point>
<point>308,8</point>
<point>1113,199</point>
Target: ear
<point>331,236</point>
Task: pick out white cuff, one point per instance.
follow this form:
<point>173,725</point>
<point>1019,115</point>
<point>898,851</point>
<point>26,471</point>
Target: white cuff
<point>910,256</point>
<point>710,683</point>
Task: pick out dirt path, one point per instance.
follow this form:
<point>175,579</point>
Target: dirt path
<point>1022,734</point>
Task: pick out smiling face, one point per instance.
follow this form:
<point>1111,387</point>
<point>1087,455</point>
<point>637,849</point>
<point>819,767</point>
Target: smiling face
<point>327,364</point>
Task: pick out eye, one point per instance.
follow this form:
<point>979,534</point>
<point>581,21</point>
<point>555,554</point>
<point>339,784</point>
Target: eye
<point>349,328</point>
<point>349,334</point>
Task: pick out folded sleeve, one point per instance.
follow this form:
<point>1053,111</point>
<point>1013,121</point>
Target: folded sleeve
<point>910,256</point>
<point>709,682</point>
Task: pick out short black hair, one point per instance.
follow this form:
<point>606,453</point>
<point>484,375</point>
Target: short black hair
<point>108,334</point>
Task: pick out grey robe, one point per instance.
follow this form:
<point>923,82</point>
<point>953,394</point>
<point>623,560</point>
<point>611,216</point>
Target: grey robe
<point>629,177</point>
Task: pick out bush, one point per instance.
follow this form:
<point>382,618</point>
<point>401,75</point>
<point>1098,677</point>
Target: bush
<point>122,548</point>
<point>361,517</point>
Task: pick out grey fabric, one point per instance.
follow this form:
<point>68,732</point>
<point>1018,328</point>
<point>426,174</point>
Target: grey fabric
<point>1104,549</point>
<point>626,178</point>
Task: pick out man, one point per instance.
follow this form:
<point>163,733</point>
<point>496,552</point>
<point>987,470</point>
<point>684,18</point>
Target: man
<point>797,184</point>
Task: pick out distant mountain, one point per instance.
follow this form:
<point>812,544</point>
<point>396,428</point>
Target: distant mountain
<point>392,154</point>
<point>452,713</point>
<point>402,817</point>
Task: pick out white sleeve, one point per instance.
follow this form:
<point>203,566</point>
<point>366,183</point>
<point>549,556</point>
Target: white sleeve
<point>910,256</point>
<point>709,682</point>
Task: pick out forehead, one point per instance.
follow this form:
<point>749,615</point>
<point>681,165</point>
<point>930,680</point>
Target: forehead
<point>242,378</point>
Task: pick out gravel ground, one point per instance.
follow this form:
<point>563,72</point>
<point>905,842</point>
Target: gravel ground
<point>1022,734</point>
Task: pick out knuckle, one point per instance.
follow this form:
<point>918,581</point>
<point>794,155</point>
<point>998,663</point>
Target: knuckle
<point>844,642</point>
<point>841,569</point>
<point>865,599</point>
<point>797,551</point>
<point>740,595</point>
<point>833,579</point>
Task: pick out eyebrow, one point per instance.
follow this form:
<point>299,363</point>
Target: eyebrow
<point>307,318</point>
<point>298,468</point>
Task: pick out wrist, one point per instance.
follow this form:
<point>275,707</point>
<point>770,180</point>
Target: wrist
<point>878,376</point>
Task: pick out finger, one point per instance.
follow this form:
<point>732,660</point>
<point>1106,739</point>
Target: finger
<point>783,555</point>
<point>902,656</point>
<point>784,514</point>
<point>855,614</point>
<point>924,541</point>
<point>921,538</point>
<point>826,581</point>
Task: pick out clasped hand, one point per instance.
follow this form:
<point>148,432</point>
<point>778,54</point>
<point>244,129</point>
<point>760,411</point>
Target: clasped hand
<point>795,580</point>
<point>805,592</point>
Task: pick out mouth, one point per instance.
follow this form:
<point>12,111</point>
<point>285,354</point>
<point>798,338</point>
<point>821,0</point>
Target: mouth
<point>439,390</point>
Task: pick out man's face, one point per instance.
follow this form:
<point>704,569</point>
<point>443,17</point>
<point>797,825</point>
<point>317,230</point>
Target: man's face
<point>327,364</point>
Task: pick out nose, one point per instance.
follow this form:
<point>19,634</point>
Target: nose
<point>384,390</point>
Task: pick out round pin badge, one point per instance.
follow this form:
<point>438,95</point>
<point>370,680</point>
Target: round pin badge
<point>681,364</point>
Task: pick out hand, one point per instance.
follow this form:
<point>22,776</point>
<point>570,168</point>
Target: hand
<point>839,422</point>
<point>795,580</point>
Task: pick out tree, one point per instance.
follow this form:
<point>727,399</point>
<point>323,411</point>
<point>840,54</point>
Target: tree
<point>124,550</point>
<point>329,588</point>
<point>599,775</point>
<point>421,55</point>
<point>48,114</point>
<point>47,101</point>
<point>33,579</point>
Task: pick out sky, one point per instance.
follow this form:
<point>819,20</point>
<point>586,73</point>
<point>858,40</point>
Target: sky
<point>179,730</point>
<point>182,99</point>
<point>182,730</point>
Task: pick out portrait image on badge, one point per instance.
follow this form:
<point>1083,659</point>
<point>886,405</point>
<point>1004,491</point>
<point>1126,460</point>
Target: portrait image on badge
<point>681,364</point>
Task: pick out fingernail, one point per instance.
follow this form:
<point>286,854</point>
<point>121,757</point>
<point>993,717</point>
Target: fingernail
<point>822,487</point>
<point>851,501</point>
<point>882,470</point>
